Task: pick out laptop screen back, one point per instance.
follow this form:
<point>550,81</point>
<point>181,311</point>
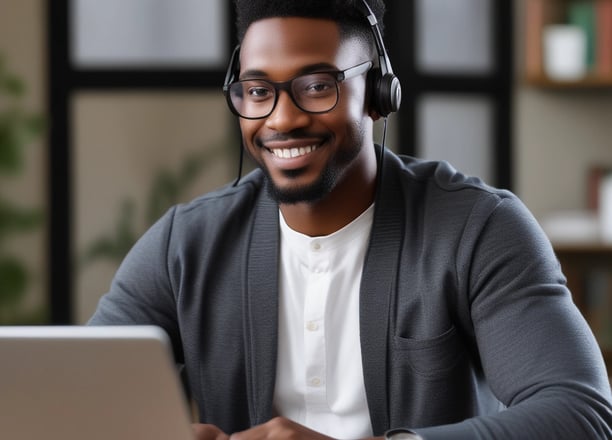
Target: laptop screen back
<point>95,383</point>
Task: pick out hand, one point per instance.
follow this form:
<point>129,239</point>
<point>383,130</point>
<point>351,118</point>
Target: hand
<point>208,432</point>
<point>279,428</point>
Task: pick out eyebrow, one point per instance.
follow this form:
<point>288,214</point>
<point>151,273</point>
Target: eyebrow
<point>319,67</point>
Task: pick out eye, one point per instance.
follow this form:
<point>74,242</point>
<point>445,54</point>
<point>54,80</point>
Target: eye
<point>258,91</point>
<point>318,85</point>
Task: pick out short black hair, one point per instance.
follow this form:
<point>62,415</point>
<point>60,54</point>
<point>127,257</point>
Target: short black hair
<point>349,14</point>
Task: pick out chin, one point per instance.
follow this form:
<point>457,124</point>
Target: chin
<point>291,195</point>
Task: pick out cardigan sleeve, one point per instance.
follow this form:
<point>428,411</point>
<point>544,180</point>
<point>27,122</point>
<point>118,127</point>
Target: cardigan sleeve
<point>141,292</point>
<point>538,354</point>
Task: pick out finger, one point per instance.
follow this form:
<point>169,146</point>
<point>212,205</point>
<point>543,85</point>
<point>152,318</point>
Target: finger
<point>208,432</point>
<point>279,428</point>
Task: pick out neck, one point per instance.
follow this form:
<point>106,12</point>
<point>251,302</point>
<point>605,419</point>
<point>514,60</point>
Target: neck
<point>347,201</point>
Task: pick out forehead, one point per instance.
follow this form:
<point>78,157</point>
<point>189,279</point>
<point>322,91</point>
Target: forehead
<point>281,46</point>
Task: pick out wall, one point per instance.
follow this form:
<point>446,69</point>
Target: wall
<point>133,148</point>
<point>558,136</point>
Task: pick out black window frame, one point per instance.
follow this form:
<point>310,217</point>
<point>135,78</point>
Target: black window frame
<point>400,24</point>
<point>64,80</point>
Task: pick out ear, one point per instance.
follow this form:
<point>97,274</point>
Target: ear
<point>370,107</point>
<point>373,114</point>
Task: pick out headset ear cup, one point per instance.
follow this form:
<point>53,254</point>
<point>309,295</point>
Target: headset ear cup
<point>384,92</point>
<point>373,82</point>
<point>389,94</point>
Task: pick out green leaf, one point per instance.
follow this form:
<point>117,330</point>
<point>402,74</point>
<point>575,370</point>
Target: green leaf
<point>163,194</point>
<point>114,247</point>
<point>30,316</point>
<point>17,130</point>
<point>10,148</point>
<point>15,219</point>
<point>35,124</point>
<point>13,282</point>
<point>13,85</point>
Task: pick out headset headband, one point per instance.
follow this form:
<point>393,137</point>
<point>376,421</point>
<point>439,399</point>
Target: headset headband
<point>383,57</point>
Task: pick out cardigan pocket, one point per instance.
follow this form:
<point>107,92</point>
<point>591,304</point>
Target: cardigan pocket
<point>430,357</point>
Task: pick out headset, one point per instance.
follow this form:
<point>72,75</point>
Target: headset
<point>385,86</point>
<point>386,91</point>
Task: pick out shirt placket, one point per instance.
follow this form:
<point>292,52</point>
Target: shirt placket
<point>314,329</point>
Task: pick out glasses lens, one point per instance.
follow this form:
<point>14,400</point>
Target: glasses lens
<point>252,98</point>
<point>316,92</point>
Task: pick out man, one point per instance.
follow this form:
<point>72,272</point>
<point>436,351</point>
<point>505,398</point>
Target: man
<point>343,291</point>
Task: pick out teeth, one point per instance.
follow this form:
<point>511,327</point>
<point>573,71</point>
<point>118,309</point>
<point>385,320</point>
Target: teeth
<point>288,153</point>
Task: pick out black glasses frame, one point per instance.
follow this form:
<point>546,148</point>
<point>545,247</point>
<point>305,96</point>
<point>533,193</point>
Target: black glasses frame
<point>339,76</point>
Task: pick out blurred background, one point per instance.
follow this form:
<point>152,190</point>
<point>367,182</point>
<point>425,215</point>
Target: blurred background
<point>110,112</point>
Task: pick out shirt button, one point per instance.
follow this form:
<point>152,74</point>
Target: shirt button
<point>312,326</point>
<point>315,246</point>
<point>315,381</point>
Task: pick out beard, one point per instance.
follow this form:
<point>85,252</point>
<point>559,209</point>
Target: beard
<point>330,175</point>
<point>327,180</point>
<point>307,193</point>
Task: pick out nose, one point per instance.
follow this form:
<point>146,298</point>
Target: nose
<point>286,116</point>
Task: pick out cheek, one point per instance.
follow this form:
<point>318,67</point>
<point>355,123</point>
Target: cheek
<point>248,129</point>
<point>350,111</point>
<point>353,101</point>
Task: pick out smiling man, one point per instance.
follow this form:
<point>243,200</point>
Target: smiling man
<point>343,291</point>
<point>314,139</point>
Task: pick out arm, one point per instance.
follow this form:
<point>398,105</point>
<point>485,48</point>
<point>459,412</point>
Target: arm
<point>141,292</point>
<point>537,352</point>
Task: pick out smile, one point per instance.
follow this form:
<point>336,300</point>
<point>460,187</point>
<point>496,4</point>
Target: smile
<point>289,153</point>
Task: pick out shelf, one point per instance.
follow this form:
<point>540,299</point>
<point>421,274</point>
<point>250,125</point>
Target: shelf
<point>589,82</point>
<point>578,248</point>
<point>591,19</point>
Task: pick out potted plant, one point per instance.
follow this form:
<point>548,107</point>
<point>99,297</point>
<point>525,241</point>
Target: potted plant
<point>18,129</point>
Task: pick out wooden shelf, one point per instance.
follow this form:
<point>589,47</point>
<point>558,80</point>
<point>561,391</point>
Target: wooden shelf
<point>589,82</point>
<point>587,247</point>
<point>593,17</point>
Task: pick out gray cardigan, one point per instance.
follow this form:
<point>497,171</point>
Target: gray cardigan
<point>467,328</point>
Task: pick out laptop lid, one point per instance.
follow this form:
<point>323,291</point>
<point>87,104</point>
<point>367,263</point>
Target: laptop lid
<point>94,383</point>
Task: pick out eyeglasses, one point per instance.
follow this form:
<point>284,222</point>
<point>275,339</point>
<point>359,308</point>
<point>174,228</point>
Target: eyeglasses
<point>316,92</point>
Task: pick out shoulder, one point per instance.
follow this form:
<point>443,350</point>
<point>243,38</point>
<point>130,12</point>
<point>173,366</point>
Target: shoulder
<point>438,185</point>
<point>441,175</point>
<point>221,211</point>
<point>439,201</point>
<point>226,201</point>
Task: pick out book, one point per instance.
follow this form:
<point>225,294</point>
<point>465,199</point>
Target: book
<point>535,20</point>
<point>538,14</point>
<point>582,14</point>
<point>604,38</point>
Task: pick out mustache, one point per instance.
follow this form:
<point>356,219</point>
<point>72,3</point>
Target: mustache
<point>294,135</point>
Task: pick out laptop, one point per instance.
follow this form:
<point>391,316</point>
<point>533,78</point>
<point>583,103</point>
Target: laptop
<point>94,383</point>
